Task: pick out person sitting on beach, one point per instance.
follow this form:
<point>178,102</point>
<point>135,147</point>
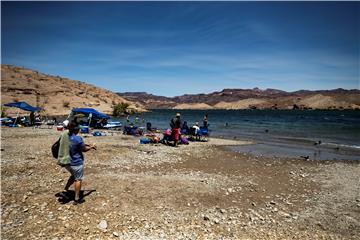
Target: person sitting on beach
<point>76,166</point>
<point>167,137</point>
<point>196,131</point>
<point>101,122</point>
<point>197,128</point>
<point>185,128</point>
<point>175,125</point>
<point>149,127</point>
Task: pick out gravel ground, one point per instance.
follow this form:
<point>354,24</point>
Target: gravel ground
<point>196,191</point>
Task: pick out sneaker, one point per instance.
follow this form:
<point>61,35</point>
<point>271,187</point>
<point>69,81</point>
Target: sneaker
<point>79,201</point>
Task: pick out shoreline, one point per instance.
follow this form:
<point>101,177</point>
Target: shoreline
<point>292,148</point>
<point>196,191</point>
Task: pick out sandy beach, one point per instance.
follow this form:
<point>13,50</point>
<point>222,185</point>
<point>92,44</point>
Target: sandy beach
<point>197,191</point>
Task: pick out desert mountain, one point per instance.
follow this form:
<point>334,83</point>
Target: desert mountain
<point>193,106</point>
<point>253,99</point>
<point>149,100</point>
<point>56,95</point>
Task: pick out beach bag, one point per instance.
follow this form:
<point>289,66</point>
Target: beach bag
<point>55,149</point>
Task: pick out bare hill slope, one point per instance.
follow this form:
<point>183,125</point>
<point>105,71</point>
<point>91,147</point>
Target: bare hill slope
<point>203,106</point>
<point>55,94</point>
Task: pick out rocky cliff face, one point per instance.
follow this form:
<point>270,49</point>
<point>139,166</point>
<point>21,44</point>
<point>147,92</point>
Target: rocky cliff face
<point>56,95</point>
<point>254,99</point>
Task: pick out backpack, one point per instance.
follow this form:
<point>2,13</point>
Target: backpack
<point>55,149</point>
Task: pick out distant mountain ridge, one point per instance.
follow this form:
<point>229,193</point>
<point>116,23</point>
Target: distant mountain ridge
<point>252,98</point>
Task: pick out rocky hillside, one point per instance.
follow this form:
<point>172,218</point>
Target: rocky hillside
<point>56,95</point>
<point>149,100</point>
<point>253,99</point>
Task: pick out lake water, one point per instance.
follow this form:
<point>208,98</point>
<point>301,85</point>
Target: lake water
<point>284,133</point>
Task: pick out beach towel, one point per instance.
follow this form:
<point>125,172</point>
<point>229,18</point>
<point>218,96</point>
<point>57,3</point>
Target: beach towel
<point>184,141</point>
<point>145,140</point>
<point>64,149</point>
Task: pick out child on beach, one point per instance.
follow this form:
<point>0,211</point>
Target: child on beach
<point>76,166</point>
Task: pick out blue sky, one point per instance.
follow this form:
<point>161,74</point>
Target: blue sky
<point>173,48</point>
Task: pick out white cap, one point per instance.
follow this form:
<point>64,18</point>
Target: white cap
<point>66,123</point>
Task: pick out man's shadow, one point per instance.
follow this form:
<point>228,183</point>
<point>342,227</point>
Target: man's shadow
<point>68,196</point>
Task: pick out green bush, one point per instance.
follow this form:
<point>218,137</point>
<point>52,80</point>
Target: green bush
<point>120,109</point>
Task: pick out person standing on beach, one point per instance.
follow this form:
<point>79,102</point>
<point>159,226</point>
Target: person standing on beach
<point>205,122</point>
<point>76,166</point>
<point>175,125</point>
<point>32,118</point>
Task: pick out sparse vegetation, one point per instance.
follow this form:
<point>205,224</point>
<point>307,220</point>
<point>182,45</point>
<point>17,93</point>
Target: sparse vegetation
<point>3,112</point>
<point>120,109</point>
<point>66,104</point>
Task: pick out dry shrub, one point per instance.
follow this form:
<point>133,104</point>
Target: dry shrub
<point>66,104</point>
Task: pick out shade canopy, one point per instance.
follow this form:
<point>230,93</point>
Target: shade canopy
<point>87,111</point>
<point>24,106</point>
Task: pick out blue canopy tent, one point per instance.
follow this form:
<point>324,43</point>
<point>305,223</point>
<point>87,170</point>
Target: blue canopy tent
<point>92,115</point>
<point>90,112</point>
<point>24,106</point>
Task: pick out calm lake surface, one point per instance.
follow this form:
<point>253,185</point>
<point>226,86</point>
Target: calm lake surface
<point>284,133</point>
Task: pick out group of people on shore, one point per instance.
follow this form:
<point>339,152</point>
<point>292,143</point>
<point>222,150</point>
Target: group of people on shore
<point>178,127</point>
